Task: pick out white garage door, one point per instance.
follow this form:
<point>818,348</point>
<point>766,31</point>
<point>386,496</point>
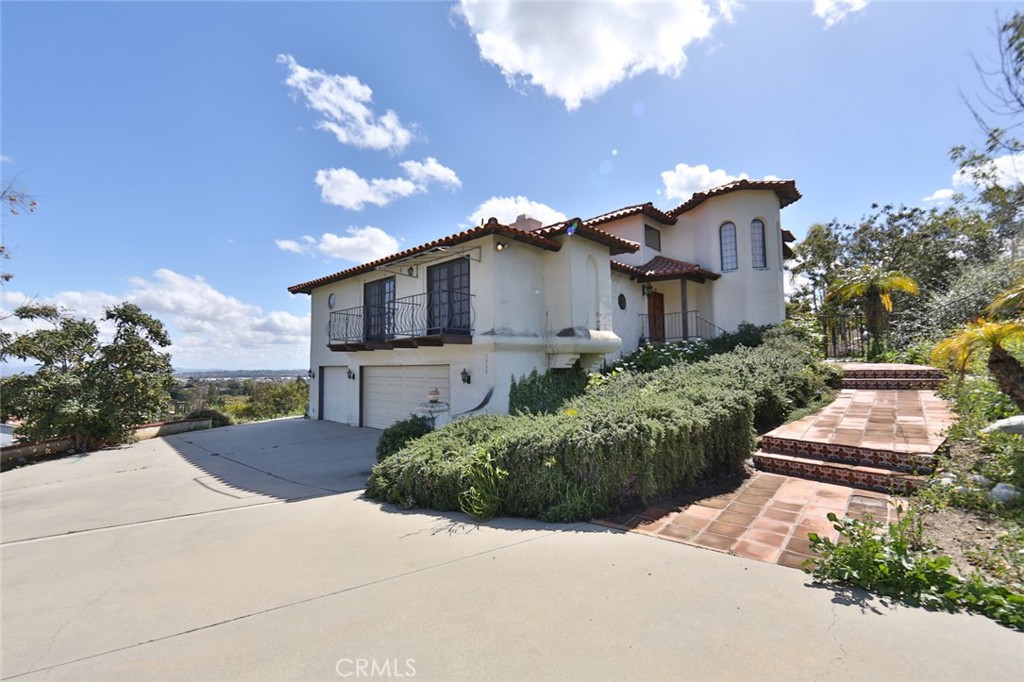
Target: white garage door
<point>393,393</point>
<point>333,407</point>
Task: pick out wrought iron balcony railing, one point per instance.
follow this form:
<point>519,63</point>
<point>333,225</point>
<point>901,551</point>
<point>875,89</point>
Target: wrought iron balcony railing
<point>420,320</point>
<point>677,327</point>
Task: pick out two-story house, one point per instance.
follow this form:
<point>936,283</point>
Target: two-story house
<point>466,313</point>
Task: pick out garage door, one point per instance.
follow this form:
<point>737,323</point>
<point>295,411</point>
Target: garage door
<point>332,405</point>
<point>393,393</point>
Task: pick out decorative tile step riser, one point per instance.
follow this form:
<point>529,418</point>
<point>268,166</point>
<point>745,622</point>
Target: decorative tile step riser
<point>849,454</point>
<point>889,373</point>
<point>892,384</point>
<point>879,482</point>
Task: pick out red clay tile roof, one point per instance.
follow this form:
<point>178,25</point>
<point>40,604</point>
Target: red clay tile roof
<point>662,267</point>
<point>645,209</point>
<point>492,227</point>
<point>786,189</point>
<point>584,229</point>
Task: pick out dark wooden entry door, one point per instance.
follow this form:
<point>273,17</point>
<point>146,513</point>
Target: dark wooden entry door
<point>656,316</point>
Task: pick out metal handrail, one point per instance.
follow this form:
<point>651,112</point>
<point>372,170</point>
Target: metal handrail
<point>448,313</point>
<point>677,327</point>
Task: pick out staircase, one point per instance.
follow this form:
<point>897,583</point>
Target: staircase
<point>881,433</point>
<point>894,377</point>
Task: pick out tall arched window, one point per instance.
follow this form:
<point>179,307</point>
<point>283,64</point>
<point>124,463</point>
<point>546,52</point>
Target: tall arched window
<point>758,257</point>
<point>727,241</point>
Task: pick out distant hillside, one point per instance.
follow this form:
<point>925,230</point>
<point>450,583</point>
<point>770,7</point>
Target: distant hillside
<point>239,373</point>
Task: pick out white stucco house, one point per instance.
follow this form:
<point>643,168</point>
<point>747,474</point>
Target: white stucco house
<point>466,313</point>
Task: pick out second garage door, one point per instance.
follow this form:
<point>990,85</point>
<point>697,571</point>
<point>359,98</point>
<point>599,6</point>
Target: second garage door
<point>393,393</point>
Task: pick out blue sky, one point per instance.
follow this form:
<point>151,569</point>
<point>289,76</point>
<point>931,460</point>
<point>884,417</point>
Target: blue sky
<point>198,158</point>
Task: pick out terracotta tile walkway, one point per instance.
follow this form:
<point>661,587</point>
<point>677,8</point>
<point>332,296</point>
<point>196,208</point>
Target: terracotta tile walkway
<point>766,518</point>
<point>896,421</point>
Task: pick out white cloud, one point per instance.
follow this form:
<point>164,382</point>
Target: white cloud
<point>4,158</point>
<point>344,101</point>
<point>834,11</point>
<point>576,51</point>
<point>507,209</point>
<point>1005,171</point>
<point>207,327</point>
<point>429,170</point>
<point>289,245</point>
<point>683,181</point>
<point>727,9</point>
<point>346,188</point>
<point>363,244</point>
<point>940,195</point>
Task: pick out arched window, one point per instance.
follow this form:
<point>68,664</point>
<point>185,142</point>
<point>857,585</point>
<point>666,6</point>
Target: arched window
<point>758,257</point>
<point>727,240</point>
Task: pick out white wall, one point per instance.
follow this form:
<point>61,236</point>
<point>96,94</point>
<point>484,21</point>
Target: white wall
<point>626,323</point>
<point>744,294</point>
<point>523,296</point>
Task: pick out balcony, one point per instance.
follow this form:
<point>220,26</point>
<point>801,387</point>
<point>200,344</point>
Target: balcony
<point>431,319</point>
<point>677,327</point>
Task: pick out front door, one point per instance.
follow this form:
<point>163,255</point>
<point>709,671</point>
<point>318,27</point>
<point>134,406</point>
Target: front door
<point>656,316</point>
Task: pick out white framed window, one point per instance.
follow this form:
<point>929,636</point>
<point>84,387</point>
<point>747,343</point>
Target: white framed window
<point>758,256</point>
<point>727,243</point>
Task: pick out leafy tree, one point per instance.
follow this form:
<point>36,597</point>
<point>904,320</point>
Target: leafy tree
<point>932,247</point>
<point>873,288</point>
<point>817,259</point>
<point>1000,116</point>
<point>275,399</point>
<point>84,388</point>
<point>13,201</point>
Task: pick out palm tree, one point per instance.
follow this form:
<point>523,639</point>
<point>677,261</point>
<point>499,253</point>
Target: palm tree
<point>1007,371</point>
<point>873,288</point>
<point>1012,300</point>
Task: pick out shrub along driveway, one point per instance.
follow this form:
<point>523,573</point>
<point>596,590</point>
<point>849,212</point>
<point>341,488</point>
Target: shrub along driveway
<point>227,555</point>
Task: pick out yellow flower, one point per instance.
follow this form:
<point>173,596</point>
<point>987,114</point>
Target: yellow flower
<point>571,412</point>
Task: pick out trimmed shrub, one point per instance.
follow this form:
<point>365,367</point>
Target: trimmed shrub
<point>216,417</point>
<point>634,438</point>
<point>657,355</point>
<point>545,393</point>
<point>395,437</point>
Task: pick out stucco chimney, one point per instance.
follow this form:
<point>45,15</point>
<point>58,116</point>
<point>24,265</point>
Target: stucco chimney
<point>526,223</point>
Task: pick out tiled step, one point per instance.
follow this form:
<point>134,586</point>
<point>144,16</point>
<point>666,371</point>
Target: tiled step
<point>882,371</point>
<point>893,383</point>
<point>905,462</point>
<point>865,477</point>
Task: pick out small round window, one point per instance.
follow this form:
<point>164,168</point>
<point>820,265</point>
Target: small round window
<point>331,300</point>
<point>622,301</point>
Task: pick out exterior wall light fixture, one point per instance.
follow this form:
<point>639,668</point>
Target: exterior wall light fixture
<point>311,374</point>
<point>466,378</point>
<point>350,374</point>
<point>500,246</point>
<point>647,288</point>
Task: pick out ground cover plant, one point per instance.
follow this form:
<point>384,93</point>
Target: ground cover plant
<point>894,561</point>
<point>629,439</point>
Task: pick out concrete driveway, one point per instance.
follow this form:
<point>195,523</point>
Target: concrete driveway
<point>249,553</point>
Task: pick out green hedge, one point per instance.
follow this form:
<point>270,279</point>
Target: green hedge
<point>395,437</point>
<point>545,393</point>
<point>633,438</point>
